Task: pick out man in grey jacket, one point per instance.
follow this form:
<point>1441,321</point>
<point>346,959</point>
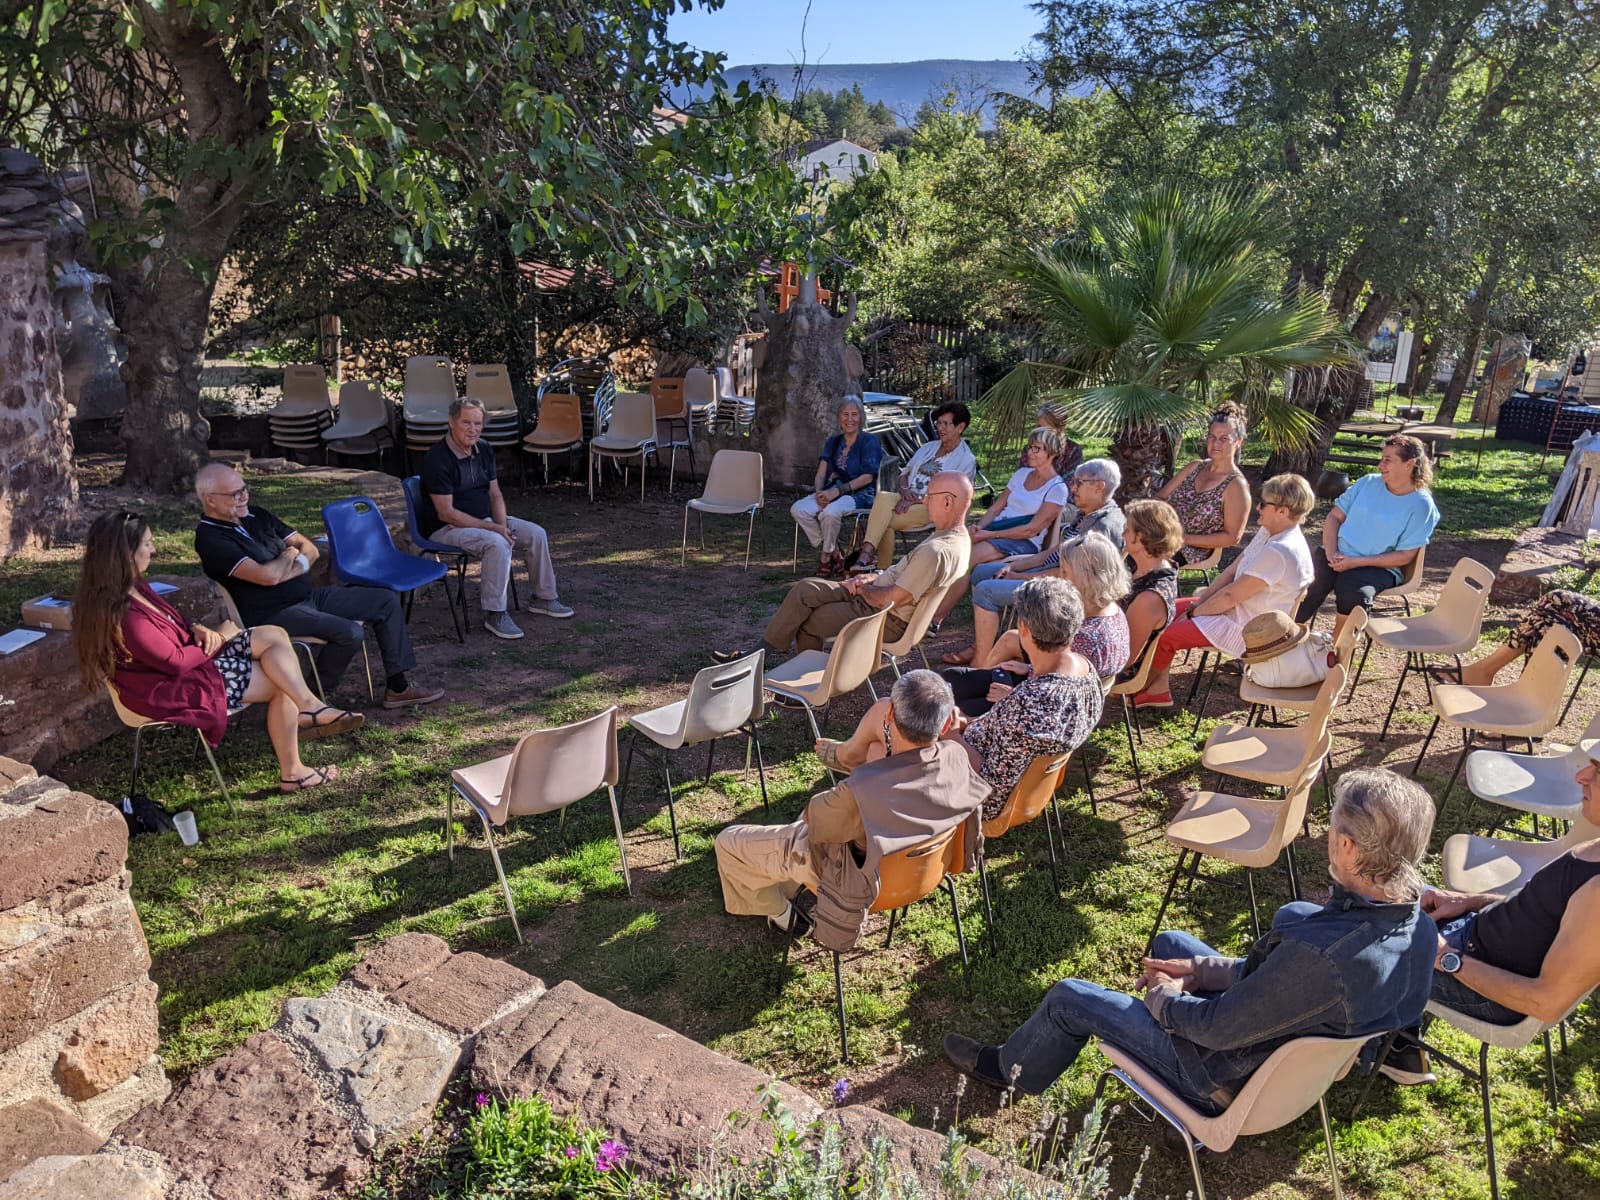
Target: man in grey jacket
<point>1360,965</point>
<point>922,787</point>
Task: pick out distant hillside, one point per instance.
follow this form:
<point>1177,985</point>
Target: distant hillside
<point>902,86</point>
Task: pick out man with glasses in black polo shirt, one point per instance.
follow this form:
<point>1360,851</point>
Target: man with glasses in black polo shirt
<point>264,565</point>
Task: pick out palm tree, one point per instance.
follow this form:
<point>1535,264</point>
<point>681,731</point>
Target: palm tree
<point>1160,306</point>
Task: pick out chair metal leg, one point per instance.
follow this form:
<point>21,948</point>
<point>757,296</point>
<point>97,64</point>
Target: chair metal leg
<point>988,905</point>
<point>138,737</point>
<point>627,764</point>
<point>1550,1073</point>
<point>1133,749</point>
<point>749,533</point>
<point>450,823</point>
<point>1199,674</point>
<point>1394,703</point>
<point>1288,862</point>
<point>711,753</point>
<point>1088,783</point>
<point>622,846</point>
<point>1424,752</point>
<point>1172,886</point>
<point>1050,840</point>
<point>494,852</point>
<point>1577,687</point>
<point>311,661</point>
<point>1488,1120</point>
<point>217,771</point>
<point>1255,915</point>
<point>961,937</point>
<point>1361,666</point>
<point>761,766</point>
<point>1327,1137</point>
<point>838,992</point>
<point>683,550</point>
<point>1200,709</point>
<point>1466,749</point>
<point>672,809</point>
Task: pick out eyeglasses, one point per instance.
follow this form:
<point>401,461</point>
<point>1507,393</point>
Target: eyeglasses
<point>931,495</point>
<point>236,495</point>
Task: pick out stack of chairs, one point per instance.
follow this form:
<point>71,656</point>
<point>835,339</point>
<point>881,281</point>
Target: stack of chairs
<point>430,391</point>
<point>733,411</point>
<point>591,381</point>
<point>365,425</point>
<point>490,383</point>
<point>298,419</point>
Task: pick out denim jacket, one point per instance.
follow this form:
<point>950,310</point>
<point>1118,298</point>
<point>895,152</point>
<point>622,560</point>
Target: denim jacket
<point>1350,968</point>
<point>864,458</point>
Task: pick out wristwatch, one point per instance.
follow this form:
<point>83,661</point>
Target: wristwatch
<point>1450,962</point>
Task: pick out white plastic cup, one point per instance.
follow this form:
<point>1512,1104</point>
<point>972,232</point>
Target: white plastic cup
<point>186,827</point>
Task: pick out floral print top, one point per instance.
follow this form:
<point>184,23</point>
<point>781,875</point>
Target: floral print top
<point>1104,642</point>
<point>1047,714</point>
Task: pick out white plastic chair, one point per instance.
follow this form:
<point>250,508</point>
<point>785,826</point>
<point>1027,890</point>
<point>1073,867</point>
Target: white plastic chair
<point>722,700</point>
<point>815,677</point>
<point>734,486</point>
<point>549,770</point>
<point>632,434</point>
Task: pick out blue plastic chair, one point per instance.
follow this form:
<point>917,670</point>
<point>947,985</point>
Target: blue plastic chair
<point>361,551</point>
<point>415,499</point>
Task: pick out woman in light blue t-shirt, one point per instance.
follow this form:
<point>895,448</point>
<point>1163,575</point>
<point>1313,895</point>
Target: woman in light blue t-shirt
<point>1374,529</point>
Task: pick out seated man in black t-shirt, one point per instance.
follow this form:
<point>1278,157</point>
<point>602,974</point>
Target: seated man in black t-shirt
<point>465,509</point>
<point>264,564</point>
<point>1531,953</point>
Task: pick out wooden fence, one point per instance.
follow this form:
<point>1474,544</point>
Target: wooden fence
<point>937,361</point>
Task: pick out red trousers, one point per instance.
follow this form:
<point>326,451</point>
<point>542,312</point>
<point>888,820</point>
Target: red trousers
<point>1182,634</point>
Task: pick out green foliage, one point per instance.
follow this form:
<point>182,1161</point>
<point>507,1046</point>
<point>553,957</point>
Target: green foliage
<point>845,113</point>
<point>521,1148</point>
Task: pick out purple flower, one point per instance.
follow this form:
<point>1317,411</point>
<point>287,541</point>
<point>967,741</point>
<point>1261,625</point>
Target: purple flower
<point>611,1155</point>
<point>572,1152</point>
<point>481,1100</point>
<point>841,1089</point>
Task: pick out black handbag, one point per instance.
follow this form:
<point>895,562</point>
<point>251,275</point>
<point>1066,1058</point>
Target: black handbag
<point>144,815</point>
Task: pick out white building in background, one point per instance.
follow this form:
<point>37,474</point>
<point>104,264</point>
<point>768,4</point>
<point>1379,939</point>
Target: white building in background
<point>831,160</point>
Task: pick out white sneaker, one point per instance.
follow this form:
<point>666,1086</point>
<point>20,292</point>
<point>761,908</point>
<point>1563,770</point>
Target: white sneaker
<point>502,626</point>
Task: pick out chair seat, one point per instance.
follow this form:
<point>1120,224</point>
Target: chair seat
<point>608,444</point>
<point>1478,864</point>
<point>1420,635</point>
<point>1260,755</point>
<point>1502,708</point>
<point>664,725</point>
<point>800,677</point>
<point>371,444</point>
<point>483,783</point>
<point>1237,829</point>
<point>1542,784</point>
<point>730,508</point>
<point>550,440</point>
<point>1505,1037</point>
<point>1299,699</point>
<point>402,572</point>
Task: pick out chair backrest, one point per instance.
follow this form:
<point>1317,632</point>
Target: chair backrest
<point>735,478</point>
<point>125,714</point>
<point>1550,665</point>
<point>552,768</point>
<point>1344,646</point>
<point>633,417</point>
<point>855,655</point>
<point>1137,681</point>
<point>362,407</point>
<point>1030,794</point>
<point>411,485</point>
<point>723,698</point>
<point>699,388</point>
<point>727,387</point>
<point>1293,1078</point>
<point>230,610</point>
<point>1292,812</point>
<point>305,390</point>
<point>358,537</point>
<point>490,383</point>
<point>560,416</point>
<point>667,395</point>
<point>430,386</point>
<point>1316,722</point>
<point>921,617</point>
<point>1463,599</point>
<point>906,876</point>
<point>1410,575</point>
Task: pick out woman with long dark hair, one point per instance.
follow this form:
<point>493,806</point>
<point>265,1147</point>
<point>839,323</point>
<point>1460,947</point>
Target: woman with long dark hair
<point>164,668</point>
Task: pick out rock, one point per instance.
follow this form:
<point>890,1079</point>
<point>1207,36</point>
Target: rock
<point>12,773</point>
<point>251,1125</point>
<point>36,1128</point>
<point>110,1045</point>
<point>99,1177</point>
<point>466,991</point>
<point>1539,553</point>
<point>399,960</point>
<point>393,1074</point>
<point>69,968</point>
<point>661,1093</point>
<point>66,842</point>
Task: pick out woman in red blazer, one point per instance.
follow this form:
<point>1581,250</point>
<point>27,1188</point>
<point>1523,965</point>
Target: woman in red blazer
<point>168,670</point>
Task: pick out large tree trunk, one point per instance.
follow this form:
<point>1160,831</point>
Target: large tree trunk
<point>1144,453</point>
<point>1477,318</point>
<point>803,379</point>
<point>38,491</point>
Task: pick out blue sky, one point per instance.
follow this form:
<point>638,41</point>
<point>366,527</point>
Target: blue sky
<point>860,31</point>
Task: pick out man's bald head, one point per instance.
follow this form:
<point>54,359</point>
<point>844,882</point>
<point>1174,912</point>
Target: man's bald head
<point>947,499</point>
<point>222,491</point>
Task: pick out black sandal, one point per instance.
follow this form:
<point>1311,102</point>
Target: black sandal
<point>343,720</point>
<point>321,776</point>
<point>1445,674</point>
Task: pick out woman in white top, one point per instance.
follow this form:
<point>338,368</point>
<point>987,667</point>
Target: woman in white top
<point>903,507</point>
<point>1268,576</point>
<point>1021,515</point>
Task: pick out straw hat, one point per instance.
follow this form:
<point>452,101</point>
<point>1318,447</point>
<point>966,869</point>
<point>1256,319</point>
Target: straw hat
<point>1272,634</point>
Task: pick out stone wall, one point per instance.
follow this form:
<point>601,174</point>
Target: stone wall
<point>294,1113</point>
<point>78,1030</point>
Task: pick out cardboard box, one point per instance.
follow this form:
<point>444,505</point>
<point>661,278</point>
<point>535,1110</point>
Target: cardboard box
<point>47,612</point>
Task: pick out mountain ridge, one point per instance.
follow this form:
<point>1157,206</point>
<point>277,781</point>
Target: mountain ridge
<point>903,86</point>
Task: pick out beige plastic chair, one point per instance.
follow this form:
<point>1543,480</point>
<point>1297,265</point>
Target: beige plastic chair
<point>1544,785</point>
<point>632,434</point>
<point>1247,832</point>
<point>490,384</point>
<point>141,725</point>
<point>1410,581</point>
<point>1130,717</point>
<point>549,770</point>
<point>1528,708</point>
<point>365,423</point>
<point>1452,626</point>
<point>724,699</point>
<point>816,677</point>
<point>305,391</point>
<point>1295,1076</point>
<point>1276,757</point>
<point>1210,563</point>
<point>734,486</point>
<point>430,388</point>
<point>1216,669</point>
<point>916,629</point>
<point>734,412</point>
<point>700,396</point>
<point>1300,699</point>
<point>559,429</point>
<point>1480,864</point>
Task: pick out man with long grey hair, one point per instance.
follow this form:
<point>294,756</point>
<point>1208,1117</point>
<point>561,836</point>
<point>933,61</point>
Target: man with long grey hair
<point>1360,965</point>
<point>822,870</point>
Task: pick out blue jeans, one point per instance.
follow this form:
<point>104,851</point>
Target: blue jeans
<point>1075,1010</point>
<point>1013,545</point>
<point>1449,991</point>
<point>994,594</point>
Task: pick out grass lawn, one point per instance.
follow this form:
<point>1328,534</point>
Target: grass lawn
<point>282,898</point>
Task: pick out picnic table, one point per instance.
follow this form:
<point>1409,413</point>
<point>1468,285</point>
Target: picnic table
<point>1431,436</point>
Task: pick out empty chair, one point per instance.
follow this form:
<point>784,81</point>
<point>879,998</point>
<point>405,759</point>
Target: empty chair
<point>1452,626</point>
<point>365,424</point>
<point>1301,699</point>
<point>632,435</point>
<point>548,770</point>
<point>1544,785</point>
<point>700,396</point>
<point>558,430</point>
<point>360,550</point>
<point>141,725</point>
<point>722,700</point>
<point>1275,757</point>
<point>297,421</point>
<point>734,412</point>
<point>675,418</point>
<point>1527,708</point>
<point>733,487</point>
<point>1294,1077</point>
<point>815,677</point>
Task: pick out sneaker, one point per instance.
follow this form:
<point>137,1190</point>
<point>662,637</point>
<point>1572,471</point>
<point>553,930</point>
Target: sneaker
<point>412,695</point>
<point>1153,700</point>
<point>728,656</point>
<point>1407,1064</point>
<point>792,921</point>
<point>549,608</point>
<point>502,626</point>
<point>963,1052</point>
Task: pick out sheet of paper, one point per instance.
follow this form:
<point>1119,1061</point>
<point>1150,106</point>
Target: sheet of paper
<point>11,642</point>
